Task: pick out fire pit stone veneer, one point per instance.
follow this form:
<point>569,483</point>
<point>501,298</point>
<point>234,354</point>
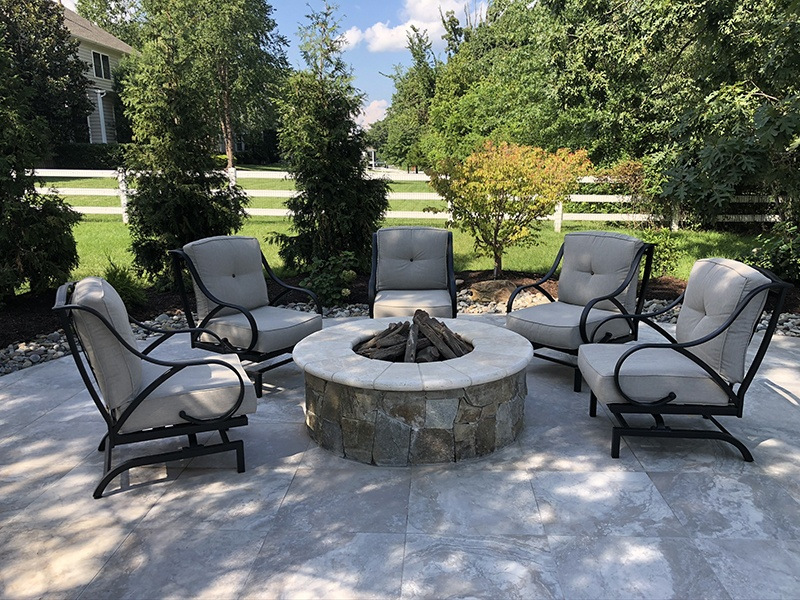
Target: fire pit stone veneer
<point>386,413</point>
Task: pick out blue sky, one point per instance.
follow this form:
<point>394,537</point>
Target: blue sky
<point>376,37</point>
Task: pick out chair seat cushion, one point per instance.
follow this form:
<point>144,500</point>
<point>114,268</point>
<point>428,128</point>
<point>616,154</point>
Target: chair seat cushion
<point>203,392</point>
<point>403,303</point>
<point>555,324</point>
<point>278,328</point>
<point>648,375</point>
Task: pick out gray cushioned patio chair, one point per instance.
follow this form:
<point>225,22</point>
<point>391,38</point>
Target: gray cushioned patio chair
<point>412,268</point>
<point>703,370</point>
<point>142,398</point>
<point>229,275</point>
<point>599,278</point>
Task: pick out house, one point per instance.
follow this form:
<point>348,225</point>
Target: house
<point>101,52</point>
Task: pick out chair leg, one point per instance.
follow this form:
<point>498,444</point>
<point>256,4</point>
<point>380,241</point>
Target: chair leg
<point>578,380</point>
<point>592,405</point>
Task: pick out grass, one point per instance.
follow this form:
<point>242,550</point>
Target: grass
<point>104,237</point>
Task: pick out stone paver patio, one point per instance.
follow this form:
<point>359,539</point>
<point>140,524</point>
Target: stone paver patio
<point>551,515</point>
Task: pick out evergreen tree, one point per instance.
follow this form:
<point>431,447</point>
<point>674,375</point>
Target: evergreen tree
<point>180,196</point>
<point>337,207</point>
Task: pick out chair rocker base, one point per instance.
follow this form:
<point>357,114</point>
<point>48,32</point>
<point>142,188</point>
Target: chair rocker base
<point>191,451</point>
<point>662,430</point>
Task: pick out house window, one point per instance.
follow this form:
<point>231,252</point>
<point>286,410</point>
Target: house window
<point>102,65</point>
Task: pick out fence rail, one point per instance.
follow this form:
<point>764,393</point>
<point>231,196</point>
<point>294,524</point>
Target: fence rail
<point>558,217</point>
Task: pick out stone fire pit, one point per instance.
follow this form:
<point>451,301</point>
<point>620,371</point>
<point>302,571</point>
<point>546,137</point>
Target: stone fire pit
<point>385,413</point>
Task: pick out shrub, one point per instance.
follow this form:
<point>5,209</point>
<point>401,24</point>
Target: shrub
<point>500,192</point>
<point>87,156</point>
<point>778,251</point>
<point>330,277</point>
<point>128,285</point>
<point>667,254</point>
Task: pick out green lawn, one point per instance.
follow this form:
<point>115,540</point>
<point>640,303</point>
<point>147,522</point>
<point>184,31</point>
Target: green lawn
<point>104,237</point>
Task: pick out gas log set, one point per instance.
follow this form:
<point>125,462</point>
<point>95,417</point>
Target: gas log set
<point>424,339</point>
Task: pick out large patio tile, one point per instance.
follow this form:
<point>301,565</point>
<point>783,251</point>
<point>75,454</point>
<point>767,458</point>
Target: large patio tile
<point>178,563</point>
<point>68,502</point>
<point>326,564</point>
<point>766,569</point>
<point>633,567</point>
<point>604,503</point>
<point>570,446</point>
<point>720,506</point>
<point>492,566</point>
<point>214,500</point>
<point>267,447</point>
<point>346,501</point>
<point>56,561</point>
<point>447,500</point>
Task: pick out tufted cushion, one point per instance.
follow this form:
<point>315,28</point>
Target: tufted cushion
<point>596,263</point>
<point>646,376</point>
<point>204,392</point>
<point>230,267</point>
<point>403,303</point>
<point>555,324</point>
<point>118,371</point>
<point>278,328</point>
<point>412,258</point>
<point>715,288</point>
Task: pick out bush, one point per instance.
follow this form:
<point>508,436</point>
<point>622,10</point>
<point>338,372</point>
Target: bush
<point>128,285</point>
<point>330,277</point>
<point>36,242</point>
<point>667,254</point>
<point>778,251</point>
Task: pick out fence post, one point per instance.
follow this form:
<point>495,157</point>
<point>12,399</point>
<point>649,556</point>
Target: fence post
<point>231,176</point>
<point>676,219</point>
<point>558,216</point>
<point>123,193</point>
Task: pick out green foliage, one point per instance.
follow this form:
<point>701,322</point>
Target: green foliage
<point>179,196</point>
<point>667,254</point>
<point>499,193</point>
<point>778,251</point>
<point>407,117</point>
<point>330,277</point>
<point>36,242</point>
<point>337,206</point>
<point>123,19</point>
<point>46,62</point>
<point>128,285</point>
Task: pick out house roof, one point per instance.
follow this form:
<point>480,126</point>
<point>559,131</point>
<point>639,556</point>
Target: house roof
<point>86,31</point>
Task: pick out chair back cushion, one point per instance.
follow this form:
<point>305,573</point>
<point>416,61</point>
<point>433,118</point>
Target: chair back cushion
<point>230,267</point>
<point>118,371</point>
<point>596,263</point>
<point>715,288</point>
<point>412,258</point>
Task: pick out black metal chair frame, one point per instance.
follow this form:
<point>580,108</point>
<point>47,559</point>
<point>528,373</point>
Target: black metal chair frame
<point>451,275</point>
<point>645,251</point>
<point>777,289</point>
<point>114,437</point>
<point>258,365</point>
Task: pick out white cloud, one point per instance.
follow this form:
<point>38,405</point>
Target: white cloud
<point>375,111</point>
<point>353,37</point>
<point>423,14</point>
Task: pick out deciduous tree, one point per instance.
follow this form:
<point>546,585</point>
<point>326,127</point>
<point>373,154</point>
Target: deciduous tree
<point>500,192</point>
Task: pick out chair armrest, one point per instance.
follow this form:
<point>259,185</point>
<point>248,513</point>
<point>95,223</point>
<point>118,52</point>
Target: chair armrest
<point>175,367</point>
<point>682,349</point>
<point>645,318</point>
<point>537,284</point>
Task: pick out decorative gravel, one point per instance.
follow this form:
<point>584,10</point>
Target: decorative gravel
<point>54,345</point>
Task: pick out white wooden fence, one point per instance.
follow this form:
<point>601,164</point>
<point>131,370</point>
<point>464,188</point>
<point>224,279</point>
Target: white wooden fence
<point>558,217</point>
